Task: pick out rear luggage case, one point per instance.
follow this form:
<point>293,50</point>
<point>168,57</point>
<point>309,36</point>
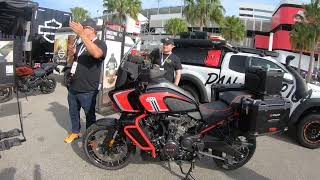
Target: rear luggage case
<point>261,117</point>
<point>262,82</point>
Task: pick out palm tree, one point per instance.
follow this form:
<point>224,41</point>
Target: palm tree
<point>175,26</point>
<point>233,29</point>
<point>121,8</point>
<point>298,38</point>
<point>79,14</point>
<point>311,18</point>
<point>201,12</point>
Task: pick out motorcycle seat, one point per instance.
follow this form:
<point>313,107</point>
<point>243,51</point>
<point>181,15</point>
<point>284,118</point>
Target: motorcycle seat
<point>47,66</point>
<point>39,72</point>
<point>24,71</point>
<point>229,103</point>
<point>215,111</point>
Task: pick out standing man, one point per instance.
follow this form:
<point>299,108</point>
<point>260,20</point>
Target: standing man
<point>85,75</point>
<point>167,61</point>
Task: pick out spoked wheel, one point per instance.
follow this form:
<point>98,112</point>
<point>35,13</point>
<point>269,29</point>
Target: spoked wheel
<point>244,145</point>
<point>49,85</point>
<point>6,94</point>
<point>308,131</point>
<point>102,151</point>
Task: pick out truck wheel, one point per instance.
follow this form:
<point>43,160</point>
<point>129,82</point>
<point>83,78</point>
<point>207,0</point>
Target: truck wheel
<point>308,131</point>
<point>192,91</point>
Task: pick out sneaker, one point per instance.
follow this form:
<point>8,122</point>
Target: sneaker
<point>71,137</point>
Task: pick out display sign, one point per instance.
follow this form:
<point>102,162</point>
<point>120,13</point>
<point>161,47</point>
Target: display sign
<point>113,40</point>
<point>6,63</point>
<point>44,25</point>
<point>61,44</point>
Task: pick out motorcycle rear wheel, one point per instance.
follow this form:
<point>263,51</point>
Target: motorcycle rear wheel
<point>49,85</point>
<point>99,154</point>
<point>248,152</point>
<point>6,94</point>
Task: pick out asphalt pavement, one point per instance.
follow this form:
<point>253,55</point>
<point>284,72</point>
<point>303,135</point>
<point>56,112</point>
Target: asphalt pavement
<point>45,156</point>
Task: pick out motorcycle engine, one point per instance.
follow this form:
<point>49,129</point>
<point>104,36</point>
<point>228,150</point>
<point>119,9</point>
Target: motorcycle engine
<point>171,149</point>
<point>177,129</point>
<point>169,135</point>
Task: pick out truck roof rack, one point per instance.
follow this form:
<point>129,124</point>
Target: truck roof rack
<point>221,44</point>
<point>260,52</point>
<point>203,43</point>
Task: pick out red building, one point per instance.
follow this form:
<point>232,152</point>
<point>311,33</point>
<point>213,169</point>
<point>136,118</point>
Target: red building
<point>278,39</point>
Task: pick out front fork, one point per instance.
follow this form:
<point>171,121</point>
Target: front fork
<point>108,144</point>
<point>111,142</point>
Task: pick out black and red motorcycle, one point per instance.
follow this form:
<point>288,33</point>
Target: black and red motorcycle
<point>166,122</point>
<point>29,79</point>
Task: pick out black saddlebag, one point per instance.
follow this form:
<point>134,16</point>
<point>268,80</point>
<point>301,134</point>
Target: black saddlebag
<point>259,117</point>
<point>260,81</point>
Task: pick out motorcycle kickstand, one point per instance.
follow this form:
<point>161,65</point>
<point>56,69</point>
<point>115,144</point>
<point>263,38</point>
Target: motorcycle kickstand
<point>169,166</point>
<point>26,96</point>
<point>188,174</point>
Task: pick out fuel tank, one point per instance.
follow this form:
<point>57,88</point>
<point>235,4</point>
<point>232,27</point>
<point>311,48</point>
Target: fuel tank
<point>167,97</point>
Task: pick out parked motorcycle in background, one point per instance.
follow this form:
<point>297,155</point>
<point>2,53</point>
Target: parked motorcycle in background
<point>39,79</point>
<point>31,80</point>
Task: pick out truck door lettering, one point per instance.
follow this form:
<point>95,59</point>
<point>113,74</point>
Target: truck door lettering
<point>221,80</point>
<point>235,80</point>
<point>213,77</point>
<point>229,80</point>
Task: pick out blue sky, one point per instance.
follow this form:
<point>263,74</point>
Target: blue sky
<point>95,6</point>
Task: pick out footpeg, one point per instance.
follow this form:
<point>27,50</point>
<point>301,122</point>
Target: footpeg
<point>9,143</point>
<point>10,134</point>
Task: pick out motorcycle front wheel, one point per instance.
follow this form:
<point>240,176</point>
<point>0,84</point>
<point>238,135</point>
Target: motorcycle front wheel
<point>102,151</point>
<point>48,85</point>
<point>245,145</point>
<point>6,94</point>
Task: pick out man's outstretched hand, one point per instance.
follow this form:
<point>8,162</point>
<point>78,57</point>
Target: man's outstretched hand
<point>77,28</point>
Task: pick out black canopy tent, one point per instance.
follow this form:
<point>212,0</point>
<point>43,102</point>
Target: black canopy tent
<point>14,14</point>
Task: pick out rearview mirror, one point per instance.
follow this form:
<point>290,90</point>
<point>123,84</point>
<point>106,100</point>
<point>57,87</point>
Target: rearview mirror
<point>288,78</point>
